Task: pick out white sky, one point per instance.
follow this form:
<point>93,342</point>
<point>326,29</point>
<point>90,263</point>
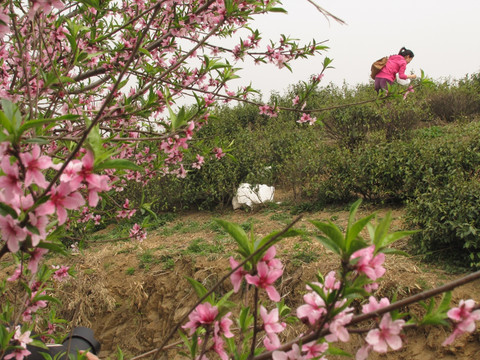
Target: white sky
<point>443,34</point>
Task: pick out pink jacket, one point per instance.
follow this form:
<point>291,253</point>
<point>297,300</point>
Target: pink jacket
<point>395,64</point>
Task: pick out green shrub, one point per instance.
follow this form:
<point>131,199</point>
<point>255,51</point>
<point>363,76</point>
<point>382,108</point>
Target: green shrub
<point>350,126</point>
<point>454,103</point>
<point>449,219</point>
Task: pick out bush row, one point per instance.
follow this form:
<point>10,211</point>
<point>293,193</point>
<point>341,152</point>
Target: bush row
<point>391,152</point>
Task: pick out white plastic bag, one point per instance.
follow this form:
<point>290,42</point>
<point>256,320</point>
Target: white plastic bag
<point>403,82</point>
<point>249,195</point>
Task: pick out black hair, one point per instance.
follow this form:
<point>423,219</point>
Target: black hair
<point>405,52</point>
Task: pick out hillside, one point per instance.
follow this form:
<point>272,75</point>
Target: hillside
<point>132,293</point>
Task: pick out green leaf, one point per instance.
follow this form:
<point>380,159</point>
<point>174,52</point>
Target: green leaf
<point>336,351</point>
<point>381,230</point>
<point>333,233</point>
<point>319,291</point>
<point>223,302</point>
<point>329,244</point>
<point>54,247</point>
<point>13,115</point>
<point>33,229</point>
<point>199,288</point>
<point>38,343</point>
<point>238,235</point>
<point>266,239</point>
<point>7,210</point>
<point>118,164</point>
<point>277,10</point>
<point>355,229</point>
<point>6,124</point>
<point>120,355</point>
<point>46,298</point>
<point>391,238</point>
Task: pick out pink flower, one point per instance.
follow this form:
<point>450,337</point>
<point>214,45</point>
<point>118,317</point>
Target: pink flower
<point>386,334</point>
<point>337,328</point>
<point>45,6</point>
<point>307,118</point>
<point>330,282</point>
<point>296,100</point>
<point>203,314</point>
<point>138,233</point>
<point>224,325</point>
<point>270,321</point>
<point>12,233</point>
<point>34,163</point>
<point>62,273</point>
<point>218,153</point>
<point>265,278</point>
<point>409,90</point>
<point>317,78</point>
<point>368,264</point>
<point>294,354</point>
<point>269,258</point>
<point>40,223</point>
<point>61,198</point>
<point>23,339</point>
<point>96,183</point>
<point>10,182</point>
<point>16,274</point>
<point>35,258</point>
<point>198,164</point>
<point>18,354</point>
<point>237,277</point>
<point>271,341</point>
<point>313,309</point>
<point>218,347</point>
<point>314,350</point>
<point>373,305</point>
<point>268,110</point>
<point>464,318</point>
<point>4,24</point>
<point>362,353</point>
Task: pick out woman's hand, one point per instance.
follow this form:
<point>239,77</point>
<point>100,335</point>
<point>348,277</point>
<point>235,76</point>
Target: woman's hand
<point>413,76</point>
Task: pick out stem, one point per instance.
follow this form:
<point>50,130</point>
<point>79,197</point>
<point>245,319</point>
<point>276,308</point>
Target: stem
<point>255,318</point>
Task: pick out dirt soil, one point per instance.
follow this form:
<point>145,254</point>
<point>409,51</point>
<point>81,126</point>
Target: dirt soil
<point>131,294</point>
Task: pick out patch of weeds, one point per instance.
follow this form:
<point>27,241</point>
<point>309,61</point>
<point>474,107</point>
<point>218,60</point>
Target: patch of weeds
<point>201,246</point>
<point>214,226</point>
<point>107,266</point>
<point>146,259</point>
<point>432,132</point>
<point>270,206</point>
<point>303,253</point>
<point>306,207</point>
<point>127,250</point>
<point>247,225</point>
<point>423,284</point>
<point>167,261</point>
<point>183,228</point>
<point>284,218</point>
<point>130,271</point>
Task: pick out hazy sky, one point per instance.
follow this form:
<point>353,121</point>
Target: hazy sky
<point>443,34</point>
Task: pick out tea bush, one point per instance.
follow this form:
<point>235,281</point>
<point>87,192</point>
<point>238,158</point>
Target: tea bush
<point>451,103</point>
<point>449,219</point>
